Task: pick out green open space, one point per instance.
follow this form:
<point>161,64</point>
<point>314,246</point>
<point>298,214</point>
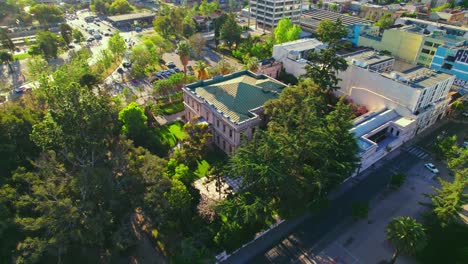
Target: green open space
<point>21,56</point>
<point>172,108</point>
<point>171,134</point>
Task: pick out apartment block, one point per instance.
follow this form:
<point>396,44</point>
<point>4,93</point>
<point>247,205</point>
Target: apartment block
<point>453,60</point>
<point>268,13</point>
<point>232,105</point>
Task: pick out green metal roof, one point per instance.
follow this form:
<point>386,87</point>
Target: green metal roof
<point>235,95</point>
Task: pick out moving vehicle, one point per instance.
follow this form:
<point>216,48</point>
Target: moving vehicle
<point>431,167</point>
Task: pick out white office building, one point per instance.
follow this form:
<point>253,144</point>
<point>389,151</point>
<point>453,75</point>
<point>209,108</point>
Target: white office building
<point>267,13</point>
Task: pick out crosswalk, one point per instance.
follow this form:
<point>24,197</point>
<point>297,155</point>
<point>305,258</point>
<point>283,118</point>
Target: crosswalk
<point>417,151</point>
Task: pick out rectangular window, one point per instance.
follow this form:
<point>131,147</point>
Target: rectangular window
<point>230,133</point>
<point>224,145</point>
<point>427,43</point>
<point>425,51</point>
<point>397,133</point>
<point>217,123</point>
<point>224,128</point>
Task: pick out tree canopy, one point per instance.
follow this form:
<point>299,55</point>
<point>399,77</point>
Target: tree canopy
<point>286,31</point>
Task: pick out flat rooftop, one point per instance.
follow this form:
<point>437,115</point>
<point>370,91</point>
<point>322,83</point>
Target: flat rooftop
<point>312,18</point>
<point>368,57</point>
<point>410,20</point>
<point>133,16</point>
<point>301,44</point>
<point>418,77</point>
<point>237,95</point>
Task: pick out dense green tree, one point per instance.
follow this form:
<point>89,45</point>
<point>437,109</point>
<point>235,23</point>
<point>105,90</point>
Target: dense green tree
<point>195,144</point>
<point>406,235</point>
<point>6,57</point>
<point>117,44</point>
<point>5,40</point>
<point>134,122</point>
<point>448,200</point>
<point>384,22</point>
<point>230,31</point>
<point>286,31</point>
<point>161,43</point>
<point>66,32</point>
<point>16,122</point>
<point>47,14</point>
<point>48,43</point>
<point>120,7</point>
<point>77,35</point>
<point>217,24</point>
<point>331,32</point>
<point>207,8</point>
<point>305,151</point>
<point>142,56</point>
<point>445,148</point>
<point>323,68</point>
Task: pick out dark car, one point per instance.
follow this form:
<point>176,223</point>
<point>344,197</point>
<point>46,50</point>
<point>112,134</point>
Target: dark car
<point>176,69</point>
<point>127,64</point>
<point>120,71</point>
<point>159,75</point>
<point>91,39</point>
<point>171,65</point>
<point>71,46</point>
<point>190,68</point>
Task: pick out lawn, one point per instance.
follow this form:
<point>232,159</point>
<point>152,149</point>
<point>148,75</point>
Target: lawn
<point>171,134</point>
<point>173,108</point>
<point>21,56</point>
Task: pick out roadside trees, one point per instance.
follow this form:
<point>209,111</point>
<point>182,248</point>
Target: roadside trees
<point>48,43</point>
<point>77,35</point>
<point>230,31</point>
<point>406,235</point>
<point>117,44</point>
<point>5,40</point>
<point>47,14</point>
<point>6,57</point>
<point>252,64</point>
<point>66,32</point>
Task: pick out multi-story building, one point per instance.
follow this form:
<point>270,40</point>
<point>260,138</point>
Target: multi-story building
<point>434,26</point>
<point>400,104</point>
<point>293,54</point>
<point>409,43</point>
<point>312,18</point>
<point>417,93</point>
<point>231,104</point>
<point>268,13</point>
<point>453,60</point>
<point>448,16</point>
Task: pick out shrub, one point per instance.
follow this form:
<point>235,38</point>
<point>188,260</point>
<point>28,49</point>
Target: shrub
<point>360,210</point>
<point>397,180</point>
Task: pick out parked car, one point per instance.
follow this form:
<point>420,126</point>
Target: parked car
<point>90,39</point>
<point>176,69</point>
<point>159,75</point>
<point>431,167</point>
<point>106,34</point>
<point>97,36</point>
<point>134,81</point>
<point>171,65</point>
<point>120,71</point>
<point>190,68</point>
<point>71,46</point>
<point>138,29</point>
<point>127,64</point>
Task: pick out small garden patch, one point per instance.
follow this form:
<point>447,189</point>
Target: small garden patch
<point>173,108</point>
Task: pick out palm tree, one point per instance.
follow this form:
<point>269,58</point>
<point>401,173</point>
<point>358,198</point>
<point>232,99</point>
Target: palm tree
<point>252,64</point>
<point>201,70</point>
<point>224,67</point>
<point>183,49</point>
<point>406,235</point>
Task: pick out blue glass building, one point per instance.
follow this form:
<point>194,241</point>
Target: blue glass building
<point>453,60</point>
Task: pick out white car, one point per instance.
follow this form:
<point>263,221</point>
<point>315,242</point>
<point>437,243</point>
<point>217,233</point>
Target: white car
<point>431,167</point>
